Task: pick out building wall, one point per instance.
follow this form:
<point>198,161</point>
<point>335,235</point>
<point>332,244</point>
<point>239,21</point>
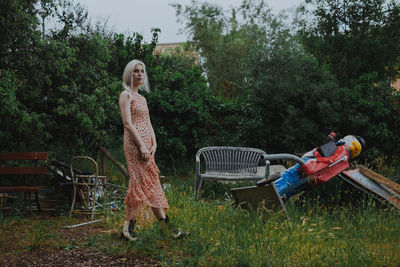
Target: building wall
<point>396,84</point>
<point>167,48</point>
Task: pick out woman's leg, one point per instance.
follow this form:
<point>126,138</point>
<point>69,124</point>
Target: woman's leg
<point>159,213</point>
<point>129,224</point>
<point>165,225</point>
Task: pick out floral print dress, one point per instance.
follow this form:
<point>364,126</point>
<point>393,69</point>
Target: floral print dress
<point>144,190</point>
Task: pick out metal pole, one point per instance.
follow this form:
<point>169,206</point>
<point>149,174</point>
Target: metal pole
<point>43,14</point>
<point>284,156</point>
<point>43,26</point>
<point>85,223</point>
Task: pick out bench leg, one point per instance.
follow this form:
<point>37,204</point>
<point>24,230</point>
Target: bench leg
<point>198,184</point>
<point>4,199</point>
<point>27,201</point>
<point>37,201</point>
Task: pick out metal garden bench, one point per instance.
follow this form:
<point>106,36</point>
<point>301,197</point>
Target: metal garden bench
<point>229,164</point>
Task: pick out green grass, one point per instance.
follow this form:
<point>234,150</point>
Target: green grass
<point>315,231</point>
<point>310,233</point>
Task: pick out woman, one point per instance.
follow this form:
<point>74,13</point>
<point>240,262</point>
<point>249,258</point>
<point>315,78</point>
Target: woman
<point>144,191</point>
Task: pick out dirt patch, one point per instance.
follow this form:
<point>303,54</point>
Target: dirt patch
<point>75,257</point>
<point>80,233</point>
<point>46,242</point>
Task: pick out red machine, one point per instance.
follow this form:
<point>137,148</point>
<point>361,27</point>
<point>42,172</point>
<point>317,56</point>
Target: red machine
<point>315,167</point>
<point>321,169</point>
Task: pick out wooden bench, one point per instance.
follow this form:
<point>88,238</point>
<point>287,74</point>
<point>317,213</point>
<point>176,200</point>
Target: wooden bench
<point>9,172</point>
<point>229,164</point>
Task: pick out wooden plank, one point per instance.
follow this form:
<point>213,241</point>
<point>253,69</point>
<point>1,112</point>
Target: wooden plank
<point>21,188</point>
<point>371,187</point>
<point>116,164</point>
<point>380,179</point>
<point>22,170</point>
<point>24,156</point>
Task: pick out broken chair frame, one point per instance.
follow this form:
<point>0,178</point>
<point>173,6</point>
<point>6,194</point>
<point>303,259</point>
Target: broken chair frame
<point>86,187</point>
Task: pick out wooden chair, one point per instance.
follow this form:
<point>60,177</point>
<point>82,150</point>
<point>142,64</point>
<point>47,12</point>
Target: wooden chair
<point>86,187</point>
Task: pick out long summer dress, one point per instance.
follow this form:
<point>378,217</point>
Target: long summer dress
<point>144,189</point>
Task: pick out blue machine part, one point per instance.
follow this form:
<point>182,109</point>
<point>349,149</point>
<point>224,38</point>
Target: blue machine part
<point>291,182</point>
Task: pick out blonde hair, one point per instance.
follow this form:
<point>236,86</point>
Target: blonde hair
<point>127,79</point>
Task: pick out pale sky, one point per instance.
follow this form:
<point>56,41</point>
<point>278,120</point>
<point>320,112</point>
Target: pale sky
<point>128,16</point>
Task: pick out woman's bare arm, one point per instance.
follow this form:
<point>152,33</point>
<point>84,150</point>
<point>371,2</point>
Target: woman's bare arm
<point>153,142</point>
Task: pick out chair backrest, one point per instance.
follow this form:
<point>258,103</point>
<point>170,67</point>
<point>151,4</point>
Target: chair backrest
<point>231,159</point>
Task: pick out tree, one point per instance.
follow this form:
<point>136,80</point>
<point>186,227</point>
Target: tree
<point>360,41</point>
<point>354,37</point>
<point>224,43</point>
<point>18,34</point>
<point>19,126</point>
<point>298,98</point>
<point>284,93</point>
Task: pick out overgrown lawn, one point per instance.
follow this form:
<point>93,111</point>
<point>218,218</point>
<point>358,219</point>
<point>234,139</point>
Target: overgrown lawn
<point>311,232</point>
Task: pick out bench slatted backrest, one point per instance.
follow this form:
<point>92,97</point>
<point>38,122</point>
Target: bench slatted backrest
<point>23,156</point>
<point>231,159</point>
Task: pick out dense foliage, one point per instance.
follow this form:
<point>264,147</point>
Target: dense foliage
<point>255,82</point>
<point>62,95</point>
<point>360,42</point>
<point>295,82</point>
<point>354,37</point>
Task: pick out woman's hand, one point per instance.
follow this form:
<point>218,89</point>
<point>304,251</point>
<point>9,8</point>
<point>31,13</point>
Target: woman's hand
<point>145,153</point>
<point>153,150</point>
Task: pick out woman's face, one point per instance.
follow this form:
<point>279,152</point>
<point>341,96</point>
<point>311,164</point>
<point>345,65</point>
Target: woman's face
<point>138,75</point>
